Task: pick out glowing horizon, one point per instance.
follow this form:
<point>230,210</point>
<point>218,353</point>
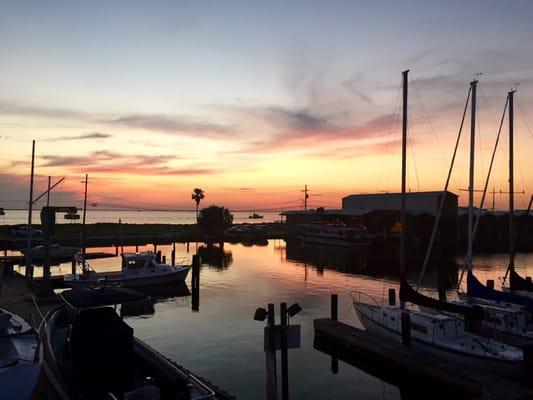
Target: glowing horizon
<point>154,100</point>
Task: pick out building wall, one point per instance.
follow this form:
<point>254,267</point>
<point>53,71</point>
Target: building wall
<point>416,203</point>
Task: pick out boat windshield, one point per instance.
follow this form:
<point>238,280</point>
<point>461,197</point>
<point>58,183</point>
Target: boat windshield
<point>136,263</point>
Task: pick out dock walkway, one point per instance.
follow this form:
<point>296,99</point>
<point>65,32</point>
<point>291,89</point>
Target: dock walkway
<point>386,357</point>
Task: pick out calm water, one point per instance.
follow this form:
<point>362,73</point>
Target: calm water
<point>137,217</point>
<point>224,344</point>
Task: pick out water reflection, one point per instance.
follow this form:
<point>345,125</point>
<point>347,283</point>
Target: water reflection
<point>215,256</point>
<point>156,294</point>
<point>366,260</point>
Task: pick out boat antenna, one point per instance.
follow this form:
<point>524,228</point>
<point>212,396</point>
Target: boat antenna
<point>404,156</point>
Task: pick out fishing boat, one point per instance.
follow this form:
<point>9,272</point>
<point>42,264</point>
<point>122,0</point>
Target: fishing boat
<point>336,234</point>
<point>89,352</point>
<point>255,216</point>
<point>442,331</point>
<point>20,361</point>
<point>138,269</point>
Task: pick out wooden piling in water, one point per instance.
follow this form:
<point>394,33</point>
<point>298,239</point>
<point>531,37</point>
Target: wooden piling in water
<point>195,282</point>
<point>334,307</point>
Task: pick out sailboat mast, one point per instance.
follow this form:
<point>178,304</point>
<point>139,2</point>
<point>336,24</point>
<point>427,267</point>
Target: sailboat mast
<point>469,251</point>
<point>404,170</point>
<point>511,181</point>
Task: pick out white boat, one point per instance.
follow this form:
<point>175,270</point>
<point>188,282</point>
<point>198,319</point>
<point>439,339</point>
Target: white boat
<point>138,269</point>
<point>441,334</point>
<point>20,361</point>
<point>89,352</point>
<point>336,235</point>
<point>56,251</point>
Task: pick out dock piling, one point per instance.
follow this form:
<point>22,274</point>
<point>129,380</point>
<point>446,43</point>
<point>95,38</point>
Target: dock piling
<point>73,265</point>
<point>406,329</point>
<point>392,297</point>
<point>284,353</point>
<point>490,284</point>
<point>334,307</point>
<point>195,282</point>
<point>164,259</point>
<point>271,374</point>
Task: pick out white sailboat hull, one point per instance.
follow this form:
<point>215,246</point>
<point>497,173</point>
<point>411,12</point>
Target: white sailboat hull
<point>509,364</point>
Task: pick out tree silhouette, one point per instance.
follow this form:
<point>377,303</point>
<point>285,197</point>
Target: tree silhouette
<point>197,195</point>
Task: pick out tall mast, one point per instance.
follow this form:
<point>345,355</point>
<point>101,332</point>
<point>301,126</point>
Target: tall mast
<point>29,268</point>
<point>473,86</point>
<point>404,169</point>
<point>511,181</point>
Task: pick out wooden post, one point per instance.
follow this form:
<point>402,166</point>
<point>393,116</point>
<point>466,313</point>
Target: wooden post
<point>271,374</point>
<point>158,256</point>
<point>392,297</point>
<point>173,254</point>
<point>195,282</point>
<point>116,250</point>
<point>334,307</point>
<point>527,350</point>
<point>164,259</point>
<point>74,265</point>
<point>187,247</point>
<point>406,328</point>
<point>284,354</point>
<point>490,284</point>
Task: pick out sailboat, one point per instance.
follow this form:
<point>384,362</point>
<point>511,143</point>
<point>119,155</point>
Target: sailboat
<point>444,334</point>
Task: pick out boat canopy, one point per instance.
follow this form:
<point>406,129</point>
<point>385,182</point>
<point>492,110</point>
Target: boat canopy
<point>476,289</point>
<point>408,294</point>
<point>100,297</point>
<point>518,283</point>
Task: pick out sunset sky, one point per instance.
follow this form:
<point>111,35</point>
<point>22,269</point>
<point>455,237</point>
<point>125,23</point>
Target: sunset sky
<point>251,100</point>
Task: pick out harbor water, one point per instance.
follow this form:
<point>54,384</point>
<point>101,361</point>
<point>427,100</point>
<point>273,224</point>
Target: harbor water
<point>223,343</point>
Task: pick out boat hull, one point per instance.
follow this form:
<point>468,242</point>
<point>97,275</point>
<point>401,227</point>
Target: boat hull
<point>130,281</point>
<point>505,368</point>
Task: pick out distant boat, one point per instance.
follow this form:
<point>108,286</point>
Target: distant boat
<point>72,216</point>
<point>255,216</point>
<point>56,252</point>
<point>336,235</point>
<point>20,361</point>
<point>138,269</point>
<point>91,353</point>
<point>2,212</point>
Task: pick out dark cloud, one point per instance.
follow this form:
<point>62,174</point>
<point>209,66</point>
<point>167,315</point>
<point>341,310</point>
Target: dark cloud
<point>173,125</point>
<point>92,135</point>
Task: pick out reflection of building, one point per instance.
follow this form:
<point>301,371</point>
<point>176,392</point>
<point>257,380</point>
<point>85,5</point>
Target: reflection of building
<point>367,261</point>
<point>380,213</point>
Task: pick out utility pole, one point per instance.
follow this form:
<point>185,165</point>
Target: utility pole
<point>29,268</point>
<point>48,191</point>
<point>83,223</point>
<point>306,196</point>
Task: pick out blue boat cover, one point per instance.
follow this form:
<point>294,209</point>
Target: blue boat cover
<point>476,289</point>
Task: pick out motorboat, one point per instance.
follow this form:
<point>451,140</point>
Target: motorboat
<point>138,269</point>
<point>336,234</point>
<point>89,352</point>
<point>255,216</point>
<point>20,361</point>
<point>56,252</point>
<point>71,216</point>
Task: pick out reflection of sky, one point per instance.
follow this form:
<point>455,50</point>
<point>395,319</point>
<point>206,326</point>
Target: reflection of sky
<point>265,96</point>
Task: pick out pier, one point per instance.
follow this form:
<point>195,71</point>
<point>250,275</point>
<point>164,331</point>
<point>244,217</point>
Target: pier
<point>397,363</point>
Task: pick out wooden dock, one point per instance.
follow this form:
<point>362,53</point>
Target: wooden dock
<point>396,363</point>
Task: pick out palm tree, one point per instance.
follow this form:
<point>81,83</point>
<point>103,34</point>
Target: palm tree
<point>197,196</point>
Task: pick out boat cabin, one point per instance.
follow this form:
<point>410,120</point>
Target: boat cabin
<point>138,261</point>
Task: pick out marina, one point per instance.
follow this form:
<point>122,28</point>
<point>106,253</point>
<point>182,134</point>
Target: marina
<point>266,200</point>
